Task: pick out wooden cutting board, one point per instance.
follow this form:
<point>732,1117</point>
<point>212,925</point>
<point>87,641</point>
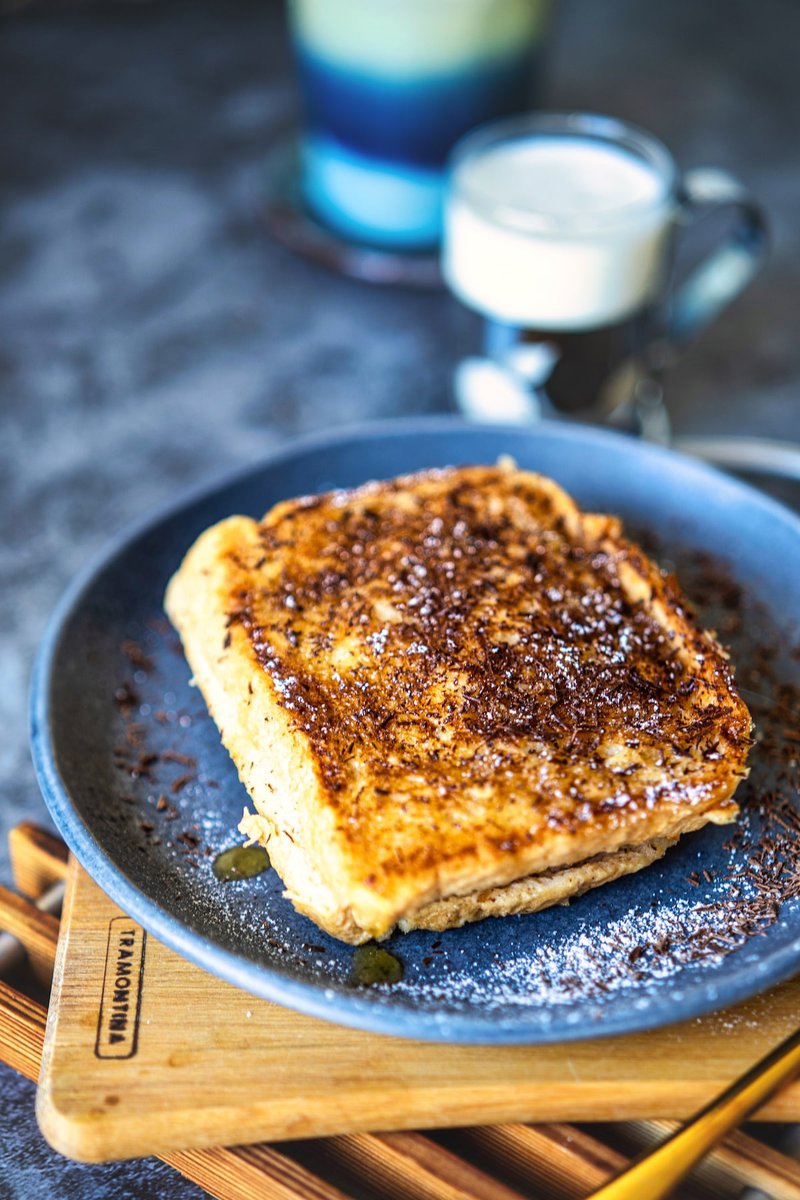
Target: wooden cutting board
<point>146,1053</point>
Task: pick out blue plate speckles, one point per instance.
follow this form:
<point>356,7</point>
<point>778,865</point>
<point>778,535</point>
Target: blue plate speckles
<point>140,787</point>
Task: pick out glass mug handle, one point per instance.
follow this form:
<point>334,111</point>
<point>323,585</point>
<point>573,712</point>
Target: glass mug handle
<point>724,272</point>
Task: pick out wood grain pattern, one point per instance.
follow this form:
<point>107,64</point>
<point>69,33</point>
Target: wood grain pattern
<point>245,1172</point>
<point>553,1161</point>
<point>22,1023</point>
<point>740,1161</point>
<point>251,1173</point>
<point>235,1173</point>
<point>37,931</point>
<point>566,1162</point>
<point>38,858</point>
<point>408,1166</point>
<point>216,1065</point>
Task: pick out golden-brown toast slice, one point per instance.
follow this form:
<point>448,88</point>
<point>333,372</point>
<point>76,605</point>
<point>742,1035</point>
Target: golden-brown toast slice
<point>454,694</point>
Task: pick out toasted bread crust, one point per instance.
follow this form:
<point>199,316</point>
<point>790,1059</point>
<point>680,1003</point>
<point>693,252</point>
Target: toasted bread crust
<point>442,684</point>
<point>536,892</point>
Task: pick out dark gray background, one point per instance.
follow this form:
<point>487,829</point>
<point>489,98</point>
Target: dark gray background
<point>151,335</point>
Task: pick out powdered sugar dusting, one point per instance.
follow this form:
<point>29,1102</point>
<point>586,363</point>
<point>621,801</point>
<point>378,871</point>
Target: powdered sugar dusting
<point>715,894</point>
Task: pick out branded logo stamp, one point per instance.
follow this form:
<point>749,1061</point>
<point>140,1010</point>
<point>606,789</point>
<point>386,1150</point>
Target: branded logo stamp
<point>118,1023</point>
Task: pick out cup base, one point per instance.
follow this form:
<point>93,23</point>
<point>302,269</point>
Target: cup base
<point>287,217</point>
<point>486,391</point>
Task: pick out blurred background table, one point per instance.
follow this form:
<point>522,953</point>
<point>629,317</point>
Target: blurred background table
<point>152,335</point>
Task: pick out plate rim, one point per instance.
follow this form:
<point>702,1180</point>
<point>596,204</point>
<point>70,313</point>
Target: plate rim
<point>353,1010</point>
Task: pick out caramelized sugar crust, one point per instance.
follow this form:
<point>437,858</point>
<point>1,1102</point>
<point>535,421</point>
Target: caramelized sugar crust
<point>486,683</point>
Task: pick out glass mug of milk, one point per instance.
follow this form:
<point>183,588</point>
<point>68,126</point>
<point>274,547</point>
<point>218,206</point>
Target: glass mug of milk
<point>388,86</point>
<point>561,231</point>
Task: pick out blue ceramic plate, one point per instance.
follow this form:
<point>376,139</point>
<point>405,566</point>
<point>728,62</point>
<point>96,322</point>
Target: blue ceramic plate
<point>143,792</point>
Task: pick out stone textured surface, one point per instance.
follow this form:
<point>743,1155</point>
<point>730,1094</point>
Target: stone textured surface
<point>30,1170</point>
<point>151,335</point>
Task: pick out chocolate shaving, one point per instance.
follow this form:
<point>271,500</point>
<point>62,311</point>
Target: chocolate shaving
<point>180,783</point>
<point>133,651</point>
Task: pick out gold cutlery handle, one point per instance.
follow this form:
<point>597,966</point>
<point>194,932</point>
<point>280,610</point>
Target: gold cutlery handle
<point>655,1174</point>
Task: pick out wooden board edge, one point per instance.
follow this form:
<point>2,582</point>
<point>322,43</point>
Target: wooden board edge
<point>101,1135</point>
<point>48,1119</point>
<point>106,1133</point>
